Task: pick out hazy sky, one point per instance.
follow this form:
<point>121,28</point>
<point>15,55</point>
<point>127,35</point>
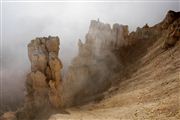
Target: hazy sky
<point>70,21</point>
<point>23,22</point>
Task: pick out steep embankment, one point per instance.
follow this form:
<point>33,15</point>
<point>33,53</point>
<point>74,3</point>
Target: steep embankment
<point>152,92</point>
<point>149,86</point>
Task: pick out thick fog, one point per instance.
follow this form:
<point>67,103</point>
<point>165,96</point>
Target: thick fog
<point>22,22</point>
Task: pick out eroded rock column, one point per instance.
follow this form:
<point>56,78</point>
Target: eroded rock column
<point>44,80</point>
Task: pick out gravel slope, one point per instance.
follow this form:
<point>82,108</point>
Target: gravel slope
<point>152,92</point>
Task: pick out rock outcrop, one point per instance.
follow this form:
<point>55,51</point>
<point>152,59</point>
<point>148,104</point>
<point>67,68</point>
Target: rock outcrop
<point>104,36</point>
<point>107,50</point>
<point>170,28</point>
<point>147,85</point>
<point>44,81</point>
<point>172,34</point>
<point>92,69</point>
<point>169,19</point>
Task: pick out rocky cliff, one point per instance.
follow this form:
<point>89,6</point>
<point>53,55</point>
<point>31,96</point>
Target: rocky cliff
<point>108,52</point>
<point>95,65</point>
<point>144,86</point>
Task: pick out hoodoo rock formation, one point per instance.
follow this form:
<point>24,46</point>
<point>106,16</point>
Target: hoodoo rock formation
<point>44,81</point>
<point>92,69</point>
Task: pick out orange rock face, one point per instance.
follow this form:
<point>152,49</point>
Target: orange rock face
<point>45,77</point>
<point>43,84</point>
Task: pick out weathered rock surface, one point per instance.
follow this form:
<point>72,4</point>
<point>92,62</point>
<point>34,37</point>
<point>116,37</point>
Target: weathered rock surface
<point>170,28</point>
<point>172,34</point>
<point>44,81</point>
<point>46,67</point>
<point>92,69</point>
<point>107,50</point>
<point>147,86</point>
<point>169,19</point>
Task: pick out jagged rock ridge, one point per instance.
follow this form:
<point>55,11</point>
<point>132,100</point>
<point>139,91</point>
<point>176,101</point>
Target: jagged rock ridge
<point>147,85</point>
<point>91,71</point>
<point>111,51</point>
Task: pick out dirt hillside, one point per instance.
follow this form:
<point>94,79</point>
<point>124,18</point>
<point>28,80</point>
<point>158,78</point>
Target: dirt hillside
<point>149,86</point>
